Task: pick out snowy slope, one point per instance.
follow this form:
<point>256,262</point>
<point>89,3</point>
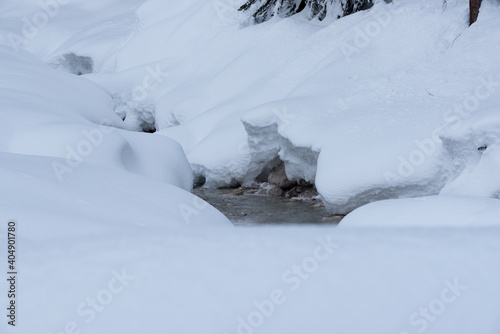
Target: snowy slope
<point>106,260</point>
<point>474,144</point>
<point>357,105</point>
<point>53,28</point>
<point>52,113</point>
<point>112,243</point>
<point>93,200</point>
<point>429,211</point>
<point>221,280</point>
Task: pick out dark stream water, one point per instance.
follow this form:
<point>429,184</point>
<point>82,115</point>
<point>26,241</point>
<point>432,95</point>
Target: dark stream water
<point>264,209</point>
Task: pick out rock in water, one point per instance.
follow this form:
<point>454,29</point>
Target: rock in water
<point>278,177</point>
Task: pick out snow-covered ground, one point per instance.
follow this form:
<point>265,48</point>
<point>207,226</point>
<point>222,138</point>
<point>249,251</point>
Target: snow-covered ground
<point>358,105</point>
<point>262,280</point>
<point>399,102</point>
<point>429,211</point>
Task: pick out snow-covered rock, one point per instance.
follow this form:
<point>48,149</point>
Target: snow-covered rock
<point>336,101</point>
<point>427,212</point>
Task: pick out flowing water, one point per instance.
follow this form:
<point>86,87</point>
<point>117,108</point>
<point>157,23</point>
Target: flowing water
<point>246,209</point>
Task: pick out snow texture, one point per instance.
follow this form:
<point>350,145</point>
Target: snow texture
<point>397,101</point>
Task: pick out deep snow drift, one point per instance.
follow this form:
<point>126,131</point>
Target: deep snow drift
<point>51,113</point>
<point>337,101</point>
<point>397,101</point>
<point>429,211</point>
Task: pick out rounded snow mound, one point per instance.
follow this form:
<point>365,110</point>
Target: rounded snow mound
<point>432,211</point>
<point>52,113</point>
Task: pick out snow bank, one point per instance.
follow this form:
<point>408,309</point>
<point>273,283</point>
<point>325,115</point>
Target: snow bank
<point>336,102</point>
<point>137,246</point>
<point>365,123</point>
<point>179,260</point>
<point>356,105</point>
<point>431,211</point>
<point>51,29</point>
<point>51,113</point>
<point>225,277</point>
<point>94,199</point>
<point>474,145</point>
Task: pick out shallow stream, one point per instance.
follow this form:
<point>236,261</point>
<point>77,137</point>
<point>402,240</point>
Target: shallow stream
<point>246,209</point>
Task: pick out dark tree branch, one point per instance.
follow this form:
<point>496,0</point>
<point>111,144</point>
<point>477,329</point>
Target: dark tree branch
<point>318,8</point>
<point>474,10</point>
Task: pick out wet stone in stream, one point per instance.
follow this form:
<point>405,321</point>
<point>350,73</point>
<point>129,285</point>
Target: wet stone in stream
<point>251,209</point>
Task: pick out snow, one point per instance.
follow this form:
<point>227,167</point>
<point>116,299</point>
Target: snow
<point>473,143</point>
<point>76,236</point>
<point>330,110</point>
<point>93,199</point>
<point>397,105</point>
<point>52,113</point>
<point>347,114</point>
<point>200,74</point>
<point>215,274</point>
<point>430,212</point>
<point>53,28</point>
